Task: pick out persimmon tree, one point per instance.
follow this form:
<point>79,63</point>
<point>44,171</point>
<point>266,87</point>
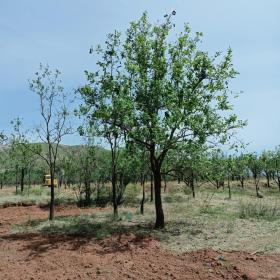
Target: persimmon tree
<point>159,90</point>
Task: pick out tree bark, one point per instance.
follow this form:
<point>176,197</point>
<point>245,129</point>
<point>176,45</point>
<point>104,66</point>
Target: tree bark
<point>192,186</point>
<point>114,190</point>
<point>97,192</point>
<point>242,183</point>
<point>229,189</point>
<point>152,188</point>
<point>256,185</point>
<point>22,180</point>
<point>165,183</point>
<point>52,195</point>
<point>267,179</point>
<point>143,196</point>
<point>158,202</point>
<point>16,180</point>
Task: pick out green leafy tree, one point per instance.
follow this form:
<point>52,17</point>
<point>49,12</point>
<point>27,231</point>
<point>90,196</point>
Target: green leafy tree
<point>241,171</point>
<point>3,167</point>
<point>22,151</point>
<point>86,163</point>
<point>276,166</point>
<point>256,168</point>
<point>189,164</point>
<point>267,160</point>
<point>217,169</point>
<point>159,93</point>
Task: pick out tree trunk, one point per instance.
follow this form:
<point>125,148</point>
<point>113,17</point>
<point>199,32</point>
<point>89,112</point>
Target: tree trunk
<point>52,195</point>
<point>143,196</point>
<point>152,188</point>
<point>87,193</point>
<point>242,183</point>
<point>22,180</point>
<point>158,202</point>
<point>97,192</point>
<point>257,186</point>
<point>165,183</point>
<point>267,179</point>
<point>192,186</point>
<point>16,180</point>
<point>217,185</point>
<point>229,189</point>
<point>114,190</point>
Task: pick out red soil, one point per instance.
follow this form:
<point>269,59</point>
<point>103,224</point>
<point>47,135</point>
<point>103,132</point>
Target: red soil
<point>35,256</point>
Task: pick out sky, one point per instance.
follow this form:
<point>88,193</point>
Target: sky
<point>60,33</point>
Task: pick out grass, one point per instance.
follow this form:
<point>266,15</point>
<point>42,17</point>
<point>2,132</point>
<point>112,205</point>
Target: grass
<point>243,222</point>
<point>34,195</point>
<point>259,210</point>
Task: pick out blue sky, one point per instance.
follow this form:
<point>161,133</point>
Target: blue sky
<point>60,33</point>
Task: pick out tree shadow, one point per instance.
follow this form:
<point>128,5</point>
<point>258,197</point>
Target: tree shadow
<point>97,237</point>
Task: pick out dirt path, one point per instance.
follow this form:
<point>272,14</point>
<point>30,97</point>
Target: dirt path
<point>34,256</point>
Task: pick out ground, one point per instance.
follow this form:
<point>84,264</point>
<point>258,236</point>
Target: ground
<point>210,237</point>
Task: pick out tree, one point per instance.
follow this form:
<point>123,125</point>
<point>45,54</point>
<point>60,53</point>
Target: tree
<point>267,160</point>
<point>3,167</point>
<point>241,168</point>
<point>141,170</point>
<point>86,163</point>
<point>54,110</point>
<point>256,167</point>
<point>3,160</point>
<point>189,164</point>
<point>276,166</point>
<point>217,169</point>
<point>159,94</point>
<point>230,172</point>
<point>21,151</point>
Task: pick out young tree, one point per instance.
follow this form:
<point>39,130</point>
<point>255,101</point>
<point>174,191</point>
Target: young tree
<point>159,93</point>
<point>276,166</point>
<point>54,110</point>
<point>3,160</point>
<point>21,151</point>
<point>241,168</point>
<point>256,167</point>
<point>86,163</point>
<point>189,163</point>
<point>230,173</point>
<point>267,162</point>
<point>217,169</point>
<point>3,167</point>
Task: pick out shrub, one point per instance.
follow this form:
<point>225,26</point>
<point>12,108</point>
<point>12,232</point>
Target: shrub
<point>187,191</point>
<point>36,191</point>
<point>131,195</point>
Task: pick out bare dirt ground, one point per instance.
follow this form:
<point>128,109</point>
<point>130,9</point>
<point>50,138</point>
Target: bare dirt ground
<point>36,256</point>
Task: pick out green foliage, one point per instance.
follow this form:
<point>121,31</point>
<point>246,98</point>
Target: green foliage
<point>34,191</point>
<point>131,195</point>
<point>158,93</point>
